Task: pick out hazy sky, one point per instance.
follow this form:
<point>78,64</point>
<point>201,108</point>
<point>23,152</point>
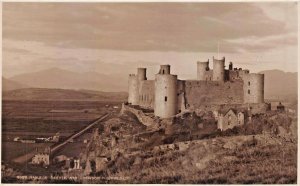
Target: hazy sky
<point>118,38</point>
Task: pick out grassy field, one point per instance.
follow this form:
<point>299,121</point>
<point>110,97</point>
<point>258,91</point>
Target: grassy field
<point>36,116</point>
<point>30,119</point>
<point>11,150</point>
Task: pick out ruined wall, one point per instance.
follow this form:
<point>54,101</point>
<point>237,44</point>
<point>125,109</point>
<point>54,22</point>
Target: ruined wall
<point>204,93</point>
<point>254,107</point>
<point>253,88</point>
<point>166,100</point>
<point>146,93</point>
<point>141,116</point>
<point>133,92</point>
<point>228,121</point>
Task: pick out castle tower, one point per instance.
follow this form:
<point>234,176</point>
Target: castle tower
<point>253,88</point>
<point>165,102</point>
<point>141,74</point>
<point>133,90</point>
<point>134,82</point>
<point>230,66</point>
<point>218,69</point>
<point>202,67</point>
<point>164,69</point>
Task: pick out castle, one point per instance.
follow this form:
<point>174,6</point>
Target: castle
<point>214,89</point>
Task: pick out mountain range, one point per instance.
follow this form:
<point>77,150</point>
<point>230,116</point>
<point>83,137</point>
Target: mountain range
<point>8,85</point>
<point>64,79</point>
<point>278,84</point>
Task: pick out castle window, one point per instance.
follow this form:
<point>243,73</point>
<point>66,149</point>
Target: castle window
<point>163,71</point>
<point>248,91</point>
<point>249,83</point>
<point>166,98</point>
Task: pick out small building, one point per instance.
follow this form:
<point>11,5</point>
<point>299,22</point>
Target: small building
<point>55,138</point>
<point>230,119</point>
<point>41,159</point>
<point>17,139</point>
<point>280,107</point>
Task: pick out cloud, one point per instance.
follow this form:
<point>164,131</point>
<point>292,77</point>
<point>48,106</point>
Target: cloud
<point>141,26</point>
<point>256,44</point>
<point>119,37</point>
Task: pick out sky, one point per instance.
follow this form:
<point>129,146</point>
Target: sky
<point>112,38</point>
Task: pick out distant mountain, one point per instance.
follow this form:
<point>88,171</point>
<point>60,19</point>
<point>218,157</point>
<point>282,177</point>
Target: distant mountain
<point>62,94</point>
<point>279,84</point>
<point>11,85</point>
<point>64,79</point>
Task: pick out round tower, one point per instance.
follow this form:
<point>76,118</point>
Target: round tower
<point>165,90</point>
<point>133,90</point>
<point>218,69</point>
<point>164,69</point>
<point>253,88</point>
<point>202,67</point>
<point>141,74</point>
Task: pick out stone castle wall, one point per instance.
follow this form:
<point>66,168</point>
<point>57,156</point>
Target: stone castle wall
<point>146,94</point>
<point>202,93</point>
<point>168,96</point>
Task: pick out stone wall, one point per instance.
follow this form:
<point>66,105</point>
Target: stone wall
<point>148,121</point>
<point>200,93</point>
<point>255,108</point>
<point>146,93</point>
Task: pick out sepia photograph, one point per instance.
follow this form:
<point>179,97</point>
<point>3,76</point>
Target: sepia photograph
<point>149,92</point>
